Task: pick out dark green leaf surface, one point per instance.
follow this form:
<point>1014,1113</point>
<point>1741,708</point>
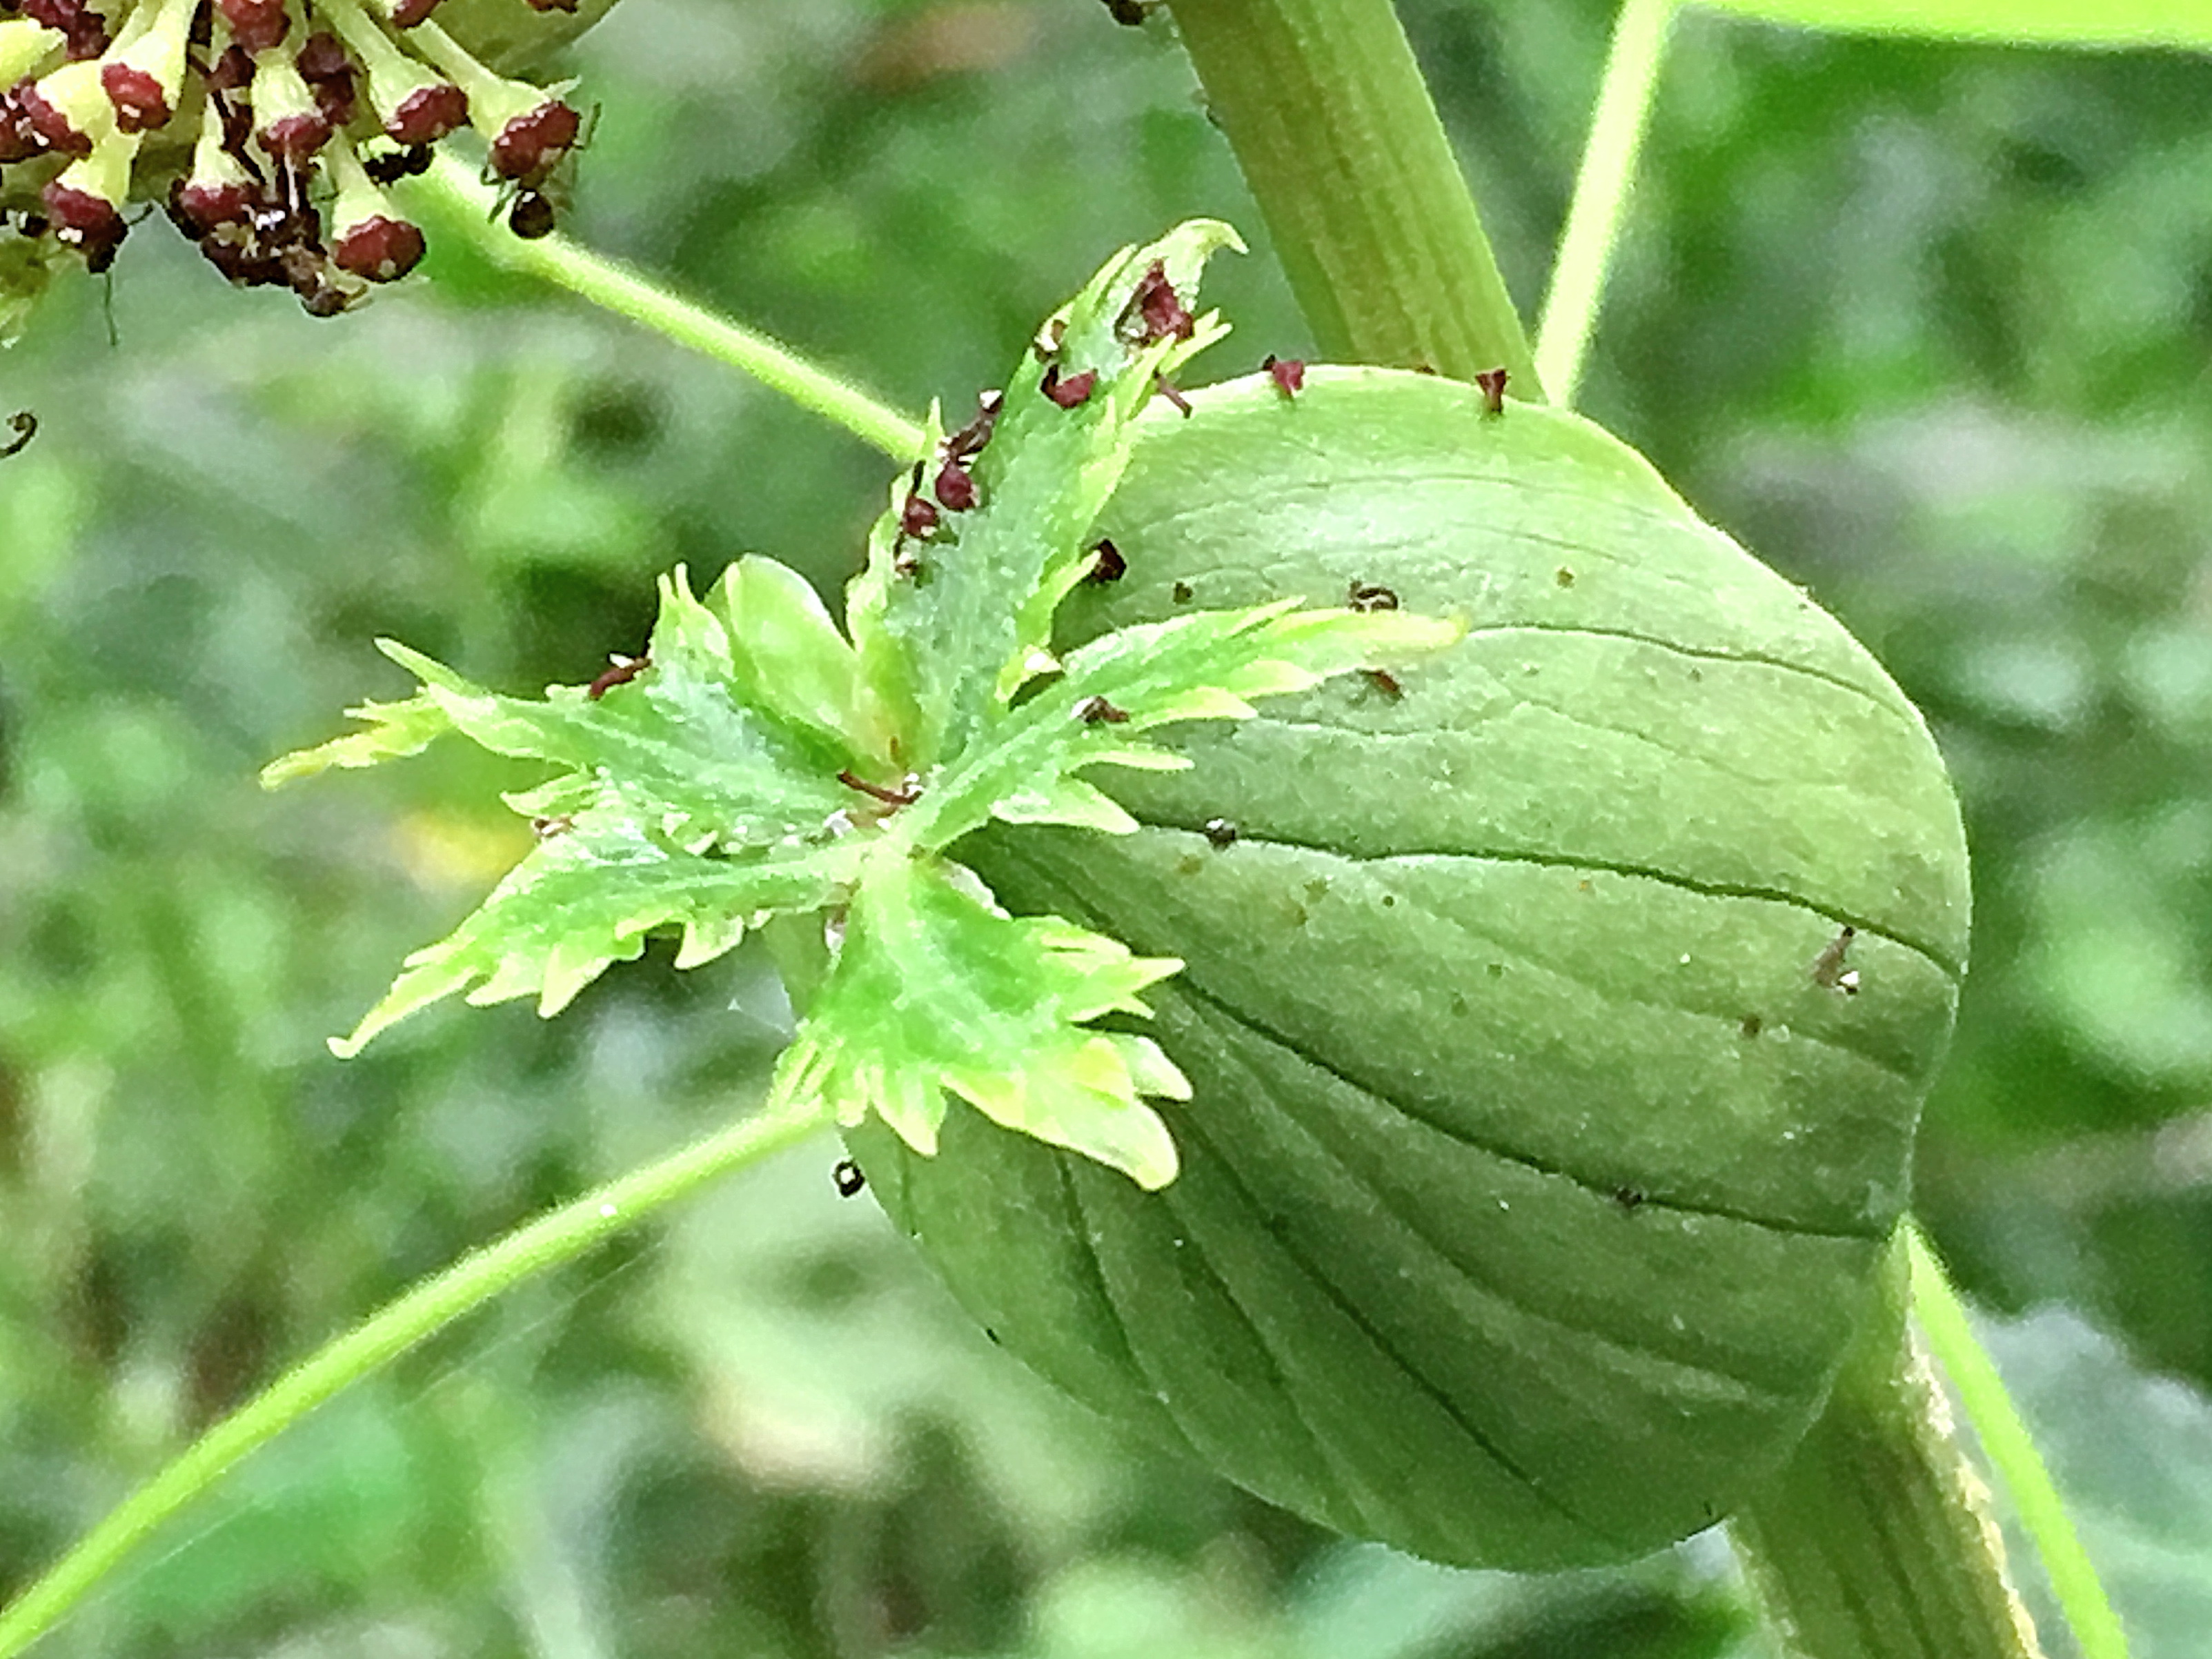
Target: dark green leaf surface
<point>1532,1176</point>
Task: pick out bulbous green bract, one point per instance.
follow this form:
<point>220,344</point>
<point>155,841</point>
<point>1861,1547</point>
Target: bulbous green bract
<point>1547,1127</point>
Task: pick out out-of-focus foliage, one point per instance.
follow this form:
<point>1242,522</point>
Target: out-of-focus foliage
<point>1926,326</point>
<point>2048,22</point>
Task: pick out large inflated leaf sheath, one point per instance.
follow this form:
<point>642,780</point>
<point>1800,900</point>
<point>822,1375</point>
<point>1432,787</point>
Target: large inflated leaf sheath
<point>1543,1144</point>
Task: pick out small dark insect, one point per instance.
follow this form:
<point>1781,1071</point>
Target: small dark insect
<point>1628,1197</point>
<point>973,436</point>
<point>545,829</point>
<point>391,169</point>
<point>1109,566</point>
<point>1070,392</point>
<point>1168,391</point>
<point>1385,682</point>
<point>1096,711</point>
<point>1753,1025</point>
<point>1158,309</point>
<point>1182,592</point>
<point>1371,596</point>
<point>625,669</point>
<point>905,795</point>
<point>532,216</point>
<point>1130,12</point>
<point>847,1173</point>
<point>1288,373</point>
<point>1220,832</point>
<point>955,488</point>
<point>1828,970</point>
<point>1564,577</point>
<point>1425,368</point>
<point>25,425</point>
<point>1492,382</point>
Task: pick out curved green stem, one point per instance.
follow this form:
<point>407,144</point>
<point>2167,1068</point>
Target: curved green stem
<point>1624,110</point>
<point>473,1280</point>
<point>1338,138</point>
<point>2011,1451</point>
<point>469,210</point>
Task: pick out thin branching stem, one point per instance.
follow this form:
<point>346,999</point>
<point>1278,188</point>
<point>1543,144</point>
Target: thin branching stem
<point>469,208</point>
<point>475,1280</point>
<point>1601,190</point>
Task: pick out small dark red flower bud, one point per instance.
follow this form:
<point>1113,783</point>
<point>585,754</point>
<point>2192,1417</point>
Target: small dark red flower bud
<point>140,103</point>
<point>87,222</point>
<point>207,206</point>
<point>529,146</point>
<point>296,137</point>
<point>256,25</point>
<point>1288,373</point>
<point>379,249</point>
<point>232,69</point>
<point>18,141</point>
<point>48,121</point>
<point>1159,311</point>
<point>955,488</point>
<point>918,517</point>
<point>1492,382</point>
<point>322,57</point>
<point>406,14</point>
<point>1073,390</point>
<point>428,114</point>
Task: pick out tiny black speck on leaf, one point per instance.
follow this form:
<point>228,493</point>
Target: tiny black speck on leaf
<point>1109,566</point>
<point>1182,592</point>
<point>25,425</point>
<point>1220,832</point>
<point>847,1175</point>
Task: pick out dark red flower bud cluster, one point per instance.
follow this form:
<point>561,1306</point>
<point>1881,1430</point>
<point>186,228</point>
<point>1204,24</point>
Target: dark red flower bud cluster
<point>296,116</point>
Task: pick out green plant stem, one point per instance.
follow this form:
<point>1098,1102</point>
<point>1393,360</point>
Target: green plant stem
<point>2011,1451</point>
<point>469,208</point>
<point>1874,1540</point>
<point>1602,187</point>
<point>1338,138</point>
<point>553,1238</point>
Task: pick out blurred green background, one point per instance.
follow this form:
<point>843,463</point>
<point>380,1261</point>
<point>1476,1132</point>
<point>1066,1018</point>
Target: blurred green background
<point>1928,327</point>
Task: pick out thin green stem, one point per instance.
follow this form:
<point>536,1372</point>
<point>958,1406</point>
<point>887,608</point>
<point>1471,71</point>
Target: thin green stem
<point>2011,1451</point>
<point>1334,127</point>
<point>469,208</point>
<point>1624,110</point>
<point>559,1236</point>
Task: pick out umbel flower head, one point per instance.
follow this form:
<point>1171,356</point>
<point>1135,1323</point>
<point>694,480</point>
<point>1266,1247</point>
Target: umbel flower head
<point>268,130</point>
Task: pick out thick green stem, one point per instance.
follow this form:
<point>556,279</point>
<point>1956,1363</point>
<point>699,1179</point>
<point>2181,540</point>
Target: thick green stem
<point>437,1302</point>
<point>1875,1540</point>
<point>1341,146</point>
<point>469,210</point>
<point>2010,1449</point>
<point>1624,110</point>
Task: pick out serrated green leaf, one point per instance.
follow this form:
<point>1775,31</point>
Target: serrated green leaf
<point>1203,666</point>
<point>586,896</point>
<point>789,657</point>
<point>396,730</point>
<point>678,745</point>
<point>949,626</point>
<point>934,989</point>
